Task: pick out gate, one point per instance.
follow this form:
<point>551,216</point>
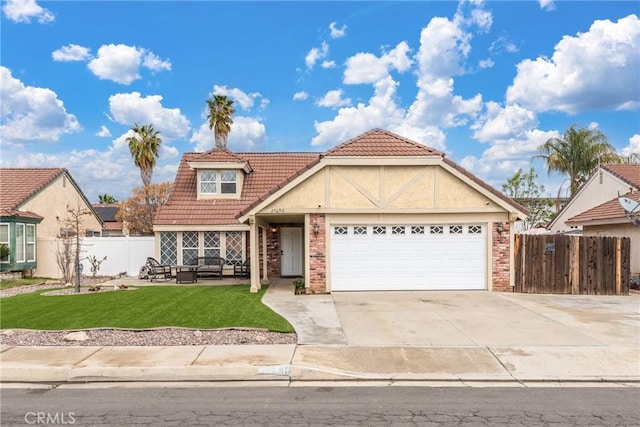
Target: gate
<point>560,264</point>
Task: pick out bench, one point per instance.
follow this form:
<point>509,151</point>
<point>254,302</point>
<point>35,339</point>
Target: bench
<point>209,266</point>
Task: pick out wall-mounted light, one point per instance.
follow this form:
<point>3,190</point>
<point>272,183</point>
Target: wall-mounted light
<point>273,229</point>
<point>500,228</point>
<point>316,229</point>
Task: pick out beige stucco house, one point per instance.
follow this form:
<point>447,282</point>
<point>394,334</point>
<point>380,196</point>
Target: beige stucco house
<point>34,204</point>
<point>377,212</point>
<point>608,182</point>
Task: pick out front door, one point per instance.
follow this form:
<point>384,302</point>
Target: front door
<point>291,251</point>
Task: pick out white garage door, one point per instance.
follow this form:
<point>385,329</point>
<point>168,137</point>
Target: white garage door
<point>408,257</point>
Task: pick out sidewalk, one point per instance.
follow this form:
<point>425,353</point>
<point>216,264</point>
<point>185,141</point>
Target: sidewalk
<point>324,354</point>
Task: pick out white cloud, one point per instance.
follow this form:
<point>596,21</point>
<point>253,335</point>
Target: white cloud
<point>633,147</point>
<point>367,68</point>
<point>121,63</point>
<point>103,132</point>
<point>247,134</point>
<point>30,113</point>
<point>154,63</point>
<point>547,5</point>
<point>245,100</point>
<point>71,52</point>
<point>131,108</point>
<point>24,10</point>
<point>316,54</point>
<point>333,99</point>
<point>328,64</point>
<point>486,63</point>
<point>593,70</point>
<point>300,96</point>
<point>336,32</point>
<point>510,122</point>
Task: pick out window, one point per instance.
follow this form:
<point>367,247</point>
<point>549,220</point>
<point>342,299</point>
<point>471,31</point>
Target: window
<point>417,229</point>
<point>233,247</point>
<point>169,247</point>
<point>190,243</point>
<point>4,239</point>
<point>359,230</point>
<point>211,243</point>
<point>340,230</point>
<point>20,252</point>
<point>379,229</point>
<point>475,229</point>
<point>208,182</point>
<point>228,182</point>
<point>31,242</point>
<point>218,182</point>
<point>455,229</point>
<point>436,229</point>
<point>397,229</point>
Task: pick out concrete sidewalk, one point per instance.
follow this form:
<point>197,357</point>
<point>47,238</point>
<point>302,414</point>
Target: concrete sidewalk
<point>291,363</point>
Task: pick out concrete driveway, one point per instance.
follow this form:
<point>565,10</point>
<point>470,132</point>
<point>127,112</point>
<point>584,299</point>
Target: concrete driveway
<point>479,318</point>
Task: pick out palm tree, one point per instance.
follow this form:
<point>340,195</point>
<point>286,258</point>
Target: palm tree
<point>107,199</point>
<point>220,112</point>
<point>578,154</point>
<point>144,145</point>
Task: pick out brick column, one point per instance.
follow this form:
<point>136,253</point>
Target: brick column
<point>501,257</point>
<point>317,282</point>
<point>273,252</point>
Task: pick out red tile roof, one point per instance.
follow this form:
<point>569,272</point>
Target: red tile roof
<point>608,211</point>
<point>17,186</point>
<point>380,142</point>
<point>218,155</point>
<point>269,170</point>
<point>628,172</point>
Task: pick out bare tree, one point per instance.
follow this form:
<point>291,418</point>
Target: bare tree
<point>70,245</point>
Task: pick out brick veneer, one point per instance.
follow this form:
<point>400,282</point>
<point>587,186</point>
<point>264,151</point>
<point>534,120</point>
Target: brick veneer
<point>317,280</point>
<point>273,252</point>
<point>500,256</point>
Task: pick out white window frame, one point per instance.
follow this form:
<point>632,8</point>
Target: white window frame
<point>7,242</point>
<point>218,183</point>
<point>20,243</point>
<point>30,244</point>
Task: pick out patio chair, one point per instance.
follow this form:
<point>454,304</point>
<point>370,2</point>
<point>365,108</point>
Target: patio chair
<point>156,270</point>
<point>242,270</point>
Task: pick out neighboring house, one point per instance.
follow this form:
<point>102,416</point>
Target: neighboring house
<point>608,182</point>
<point>107,213</point>
<point>378,212</point>
<point>34,207</point>
<point>609,219</point>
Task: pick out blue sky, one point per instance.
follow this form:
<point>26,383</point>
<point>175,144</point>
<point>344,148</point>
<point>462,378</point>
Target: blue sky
<point>485,82</point>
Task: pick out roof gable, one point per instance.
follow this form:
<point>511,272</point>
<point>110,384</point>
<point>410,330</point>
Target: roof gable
<point>628,172</point>
<point>218,155</point>
<point>380,142</point>
<point>18,185</point>
<point>610,211</point>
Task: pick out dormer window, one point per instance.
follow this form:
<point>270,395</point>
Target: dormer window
<point>219,183</point>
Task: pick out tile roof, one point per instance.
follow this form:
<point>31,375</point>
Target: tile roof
<point>608,211</point>
<point>269,171</point>
<point>628,172</point>
<point>218,155</point>
<point>380,142</point>
<point>17,186</point>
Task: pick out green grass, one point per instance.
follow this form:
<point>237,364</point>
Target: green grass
<point>198,307</point>
<point>6,284</point>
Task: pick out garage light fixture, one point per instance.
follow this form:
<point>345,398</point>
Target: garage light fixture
<point>316,229</point>
<point>500,228</point>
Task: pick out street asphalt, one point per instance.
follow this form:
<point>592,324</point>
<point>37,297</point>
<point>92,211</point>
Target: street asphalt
<point>454,338</point>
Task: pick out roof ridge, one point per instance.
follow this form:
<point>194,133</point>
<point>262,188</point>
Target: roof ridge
<point>627,179</point>
<point>363,138</point>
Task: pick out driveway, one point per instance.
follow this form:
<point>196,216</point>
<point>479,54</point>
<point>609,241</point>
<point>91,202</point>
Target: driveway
<point>480,318</point>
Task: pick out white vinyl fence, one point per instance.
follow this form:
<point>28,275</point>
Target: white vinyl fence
<point>124,254</point>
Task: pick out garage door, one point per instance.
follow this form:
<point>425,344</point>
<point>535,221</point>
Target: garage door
<point>408,257</point>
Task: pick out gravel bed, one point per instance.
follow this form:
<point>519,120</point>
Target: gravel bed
<point>120,337</point>
<point>155,337</point>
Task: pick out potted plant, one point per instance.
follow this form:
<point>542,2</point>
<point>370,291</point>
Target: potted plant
<point>298,287</point>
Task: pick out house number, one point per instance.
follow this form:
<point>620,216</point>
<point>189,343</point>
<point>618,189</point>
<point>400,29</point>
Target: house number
<point>277,210</point>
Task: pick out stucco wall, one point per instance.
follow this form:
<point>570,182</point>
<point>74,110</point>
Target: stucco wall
<point>52,204</point>
<point>600,188</point>
<point>620,230</point>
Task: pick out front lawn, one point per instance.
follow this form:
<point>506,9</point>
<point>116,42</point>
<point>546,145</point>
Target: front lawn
<point>12,283</point>
<point>198,307</point>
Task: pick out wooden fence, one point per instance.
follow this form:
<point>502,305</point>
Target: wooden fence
<point>561,264</point>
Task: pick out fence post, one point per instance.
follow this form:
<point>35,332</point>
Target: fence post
<point>574,264</point>
<point>618,266</point>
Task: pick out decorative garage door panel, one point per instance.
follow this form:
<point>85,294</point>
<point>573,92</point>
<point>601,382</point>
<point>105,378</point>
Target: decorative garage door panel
<point>408,257</point>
